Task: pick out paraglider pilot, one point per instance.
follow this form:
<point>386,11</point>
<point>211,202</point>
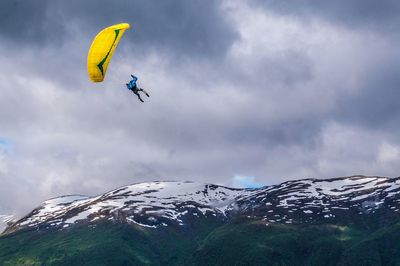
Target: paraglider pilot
<point>134,88</point>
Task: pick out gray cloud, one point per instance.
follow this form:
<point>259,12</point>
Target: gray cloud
<point>184,28</point>
<point>236,91</point>
<point>29,22</point>
<point>376,105</point>
<point>370,14</point>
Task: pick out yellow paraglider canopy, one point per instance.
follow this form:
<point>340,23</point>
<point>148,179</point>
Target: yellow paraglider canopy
<point>102,50</point>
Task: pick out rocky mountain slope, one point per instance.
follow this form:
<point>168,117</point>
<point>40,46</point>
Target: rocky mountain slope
<point>4,220</point>
<point>155,204</point>
<point>339,221</point>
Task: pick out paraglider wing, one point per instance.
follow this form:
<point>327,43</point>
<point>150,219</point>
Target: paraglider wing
<point>102,50</point>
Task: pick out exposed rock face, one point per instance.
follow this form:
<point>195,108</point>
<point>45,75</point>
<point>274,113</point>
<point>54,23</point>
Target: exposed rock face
<point>157,204</point>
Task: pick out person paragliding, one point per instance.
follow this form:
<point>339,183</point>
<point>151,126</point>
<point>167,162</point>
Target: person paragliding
<point>135,89</point>
<point>101,51</point>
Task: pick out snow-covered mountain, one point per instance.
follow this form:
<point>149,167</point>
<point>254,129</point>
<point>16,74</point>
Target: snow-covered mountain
<point>157,204</point>
<point>4,220</point>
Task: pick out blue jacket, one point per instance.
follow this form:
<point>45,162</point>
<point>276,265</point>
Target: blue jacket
<point>132,84</point>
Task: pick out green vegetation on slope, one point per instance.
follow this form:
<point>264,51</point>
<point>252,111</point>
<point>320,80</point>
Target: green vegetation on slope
<point>239,242</point>
<point>257,244</point>
<point>105,244</point>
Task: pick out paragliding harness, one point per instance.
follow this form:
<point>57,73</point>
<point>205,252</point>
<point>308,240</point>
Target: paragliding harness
<point>133,87</point>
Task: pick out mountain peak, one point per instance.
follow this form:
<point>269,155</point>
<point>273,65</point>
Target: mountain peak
<point>164,203</point>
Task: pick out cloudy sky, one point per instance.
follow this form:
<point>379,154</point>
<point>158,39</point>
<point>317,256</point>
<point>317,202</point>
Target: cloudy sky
<point>243,93</point>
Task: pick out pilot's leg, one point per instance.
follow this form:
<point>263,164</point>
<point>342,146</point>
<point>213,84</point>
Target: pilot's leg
<point>145,92</point>
<point>138,95</point>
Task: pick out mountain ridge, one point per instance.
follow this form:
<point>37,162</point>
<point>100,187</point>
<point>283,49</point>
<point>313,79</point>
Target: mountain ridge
<point>177,203</point>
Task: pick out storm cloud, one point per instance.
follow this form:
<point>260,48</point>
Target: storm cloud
<point>242,92</point>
